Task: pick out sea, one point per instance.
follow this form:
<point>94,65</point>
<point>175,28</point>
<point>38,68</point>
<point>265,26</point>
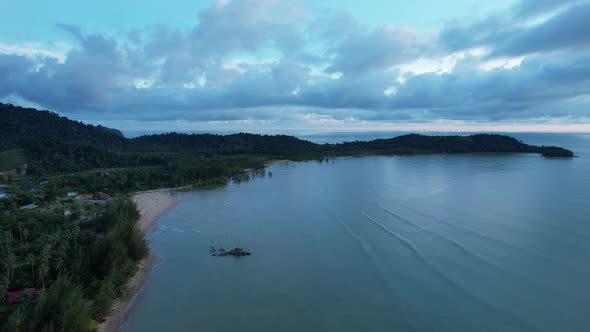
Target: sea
<point>466,242</point>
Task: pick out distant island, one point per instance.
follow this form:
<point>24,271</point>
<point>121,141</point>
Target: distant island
<point>70,236</point>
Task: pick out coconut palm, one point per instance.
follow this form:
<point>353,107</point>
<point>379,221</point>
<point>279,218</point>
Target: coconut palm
<point>3,289</point>
<point>31,260</point>
<point>10,264</point>
<point>25,234</point>
<point>43,268</point>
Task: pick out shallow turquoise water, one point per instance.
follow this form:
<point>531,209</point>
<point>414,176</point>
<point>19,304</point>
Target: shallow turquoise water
<point>494,242</point>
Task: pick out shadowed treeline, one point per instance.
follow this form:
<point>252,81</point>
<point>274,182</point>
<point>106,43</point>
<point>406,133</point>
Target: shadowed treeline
<point>54,144</point>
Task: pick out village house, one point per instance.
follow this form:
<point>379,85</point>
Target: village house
<point>83,197</point>
<point>16,297</point>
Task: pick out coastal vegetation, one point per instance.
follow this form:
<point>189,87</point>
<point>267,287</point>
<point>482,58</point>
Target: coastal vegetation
<point>78,254</point>
<point>80,267</point>
<point>56,145</point>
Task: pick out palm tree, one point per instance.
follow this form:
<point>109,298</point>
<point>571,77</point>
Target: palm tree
<point>15,320</point>
<point>10,264</point>
<point>43,272</point>
<point>75,234</point>
<point>20,230</point>
<point>31,259</point>
<point>60,250</point>
<point>26,233</point>
<point>43,269</point>
<point>3,289</point>
<point>8,241</point>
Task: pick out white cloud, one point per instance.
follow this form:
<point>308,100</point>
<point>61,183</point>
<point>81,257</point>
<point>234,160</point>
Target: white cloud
<point>504,63</point>
<point>32,50</point>
<point>250,62</point>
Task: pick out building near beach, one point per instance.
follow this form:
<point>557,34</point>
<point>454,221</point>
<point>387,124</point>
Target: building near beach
<point>16,297</point>
<point>29,206</point>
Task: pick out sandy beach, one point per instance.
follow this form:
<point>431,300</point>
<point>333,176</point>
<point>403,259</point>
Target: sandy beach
<point>152,205</point>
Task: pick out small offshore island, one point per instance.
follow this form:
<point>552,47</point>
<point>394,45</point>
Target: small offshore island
<point>66,188</point>
<point>236,252</point>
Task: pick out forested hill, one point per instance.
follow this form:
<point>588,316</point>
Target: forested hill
<point>421,144</point>
<point>52,143</point>
<point>210,145</point>
<point>22,126</point>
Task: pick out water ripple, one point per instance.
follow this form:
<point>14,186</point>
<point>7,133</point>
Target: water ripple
<point>449,281</point>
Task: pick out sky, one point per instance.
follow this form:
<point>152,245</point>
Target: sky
<point>262,65</point>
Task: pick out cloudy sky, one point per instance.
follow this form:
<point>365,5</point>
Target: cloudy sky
<point>302,64</point>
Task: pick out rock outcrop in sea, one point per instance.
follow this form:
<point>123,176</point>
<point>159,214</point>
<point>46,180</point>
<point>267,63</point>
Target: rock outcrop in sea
<point>237,252</point>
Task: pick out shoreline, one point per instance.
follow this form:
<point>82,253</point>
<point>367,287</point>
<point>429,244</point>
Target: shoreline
<point>267,164</point>
<point>152,204</point>
<point>274,162</point>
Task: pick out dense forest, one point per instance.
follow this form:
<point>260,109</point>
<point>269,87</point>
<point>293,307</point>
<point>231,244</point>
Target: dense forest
<point>80,267</point>
<point>54,144</point>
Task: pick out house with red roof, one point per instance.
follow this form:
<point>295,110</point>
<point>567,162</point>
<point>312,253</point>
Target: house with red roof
<point>15,297</point>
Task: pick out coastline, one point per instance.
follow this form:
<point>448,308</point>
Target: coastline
<point>152,205</point>
<point>274,162</point>
<point>267,164</point>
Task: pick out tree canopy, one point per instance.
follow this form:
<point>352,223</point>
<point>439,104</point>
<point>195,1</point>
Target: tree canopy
<point>55,144</point>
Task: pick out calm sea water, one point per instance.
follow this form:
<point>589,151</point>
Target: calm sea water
<point>492,242</point>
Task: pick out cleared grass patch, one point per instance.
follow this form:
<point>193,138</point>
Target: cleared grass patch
<point>11,159</point>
